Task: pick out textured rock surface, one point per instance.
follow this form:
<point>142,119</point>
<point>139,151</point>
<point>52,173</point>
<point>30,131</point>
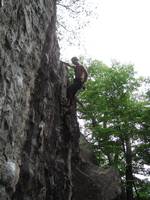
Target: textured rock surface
<point>35,141</point>
<point>92,182</point>
<point>38,141</point>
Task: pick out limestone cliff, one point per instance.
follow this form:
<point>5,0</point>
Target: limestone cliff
<point>39,143</point>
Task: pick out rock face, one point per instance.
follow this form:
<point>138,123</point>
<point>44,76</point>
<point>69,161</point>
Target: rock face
<point>92,182</point>
<point>39,141</point>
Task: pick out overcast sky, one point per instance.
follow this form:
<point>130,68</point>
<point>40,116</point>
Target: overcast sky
<point>121,32</point>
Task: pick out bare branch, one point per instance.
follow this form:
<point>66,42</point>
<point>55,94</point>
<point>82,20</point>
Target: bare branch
<point>67,7</point>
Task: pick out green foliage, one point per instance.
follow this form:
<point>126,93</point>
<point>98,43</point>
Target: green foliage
<point>144,190</point>
<point>118,119</point>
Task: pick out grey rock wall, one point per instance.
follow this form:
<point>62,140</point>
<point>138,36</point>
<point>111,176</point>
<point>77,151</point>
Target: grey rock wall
<point>92,182</point>
<point>35,153</point>
<point>39,139</point>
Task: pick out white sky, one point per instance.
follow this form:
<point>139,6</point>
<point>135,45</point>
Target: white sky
<point>121,32</point>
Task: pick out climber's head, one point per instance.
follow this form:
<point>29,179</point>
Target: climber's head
<point>75,60</point>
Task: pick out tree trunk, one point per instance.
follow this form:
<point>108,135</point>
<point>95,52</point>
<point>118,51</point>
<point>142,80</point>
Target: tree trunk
<point>129,171</point>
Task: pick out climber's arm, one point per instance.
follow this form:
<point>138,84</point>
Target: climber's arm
<point>67,64</point>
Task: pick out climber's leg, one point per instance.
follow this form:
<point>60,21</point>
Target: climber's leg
<point>72,90</point>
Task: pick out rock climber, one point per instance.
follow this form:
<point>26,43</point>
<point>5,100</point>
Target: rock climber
<point>81,76</point>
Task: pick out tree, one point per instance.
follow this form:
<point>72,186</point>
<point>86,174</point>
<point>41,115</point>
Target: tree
<point>115,117</point>
<point>72,17</point>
